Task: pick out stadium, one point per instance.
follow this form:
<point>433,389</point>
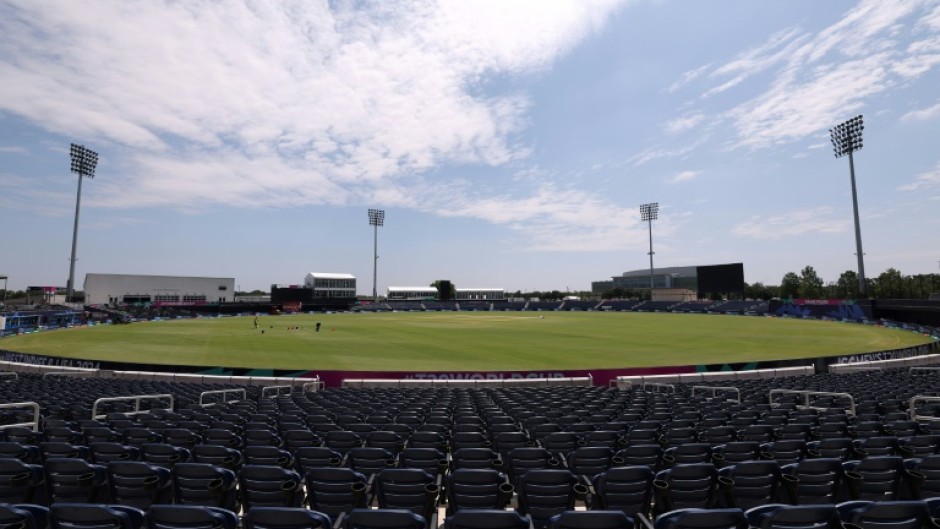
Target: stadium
<point>241,141</point>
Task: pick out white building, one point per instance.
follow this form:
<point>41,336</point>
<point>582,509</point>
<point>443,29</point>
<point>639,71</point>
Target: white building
<point>109,289</point>
<point>411,294</point>
<point>331,285</point>
<point>480,294</point>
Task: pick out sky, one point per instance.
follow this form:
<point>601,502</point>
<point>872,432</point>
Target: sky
<point>509,142</point>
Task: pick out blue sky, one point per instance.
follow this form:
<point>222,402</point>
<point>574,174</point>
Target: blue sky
<point>510,143</point>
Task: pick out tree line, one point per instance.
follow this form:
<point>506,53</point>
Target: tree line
<point>890,284</point>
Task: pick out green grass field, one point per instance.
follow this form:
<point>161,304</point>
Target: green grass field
<point>464,341</point>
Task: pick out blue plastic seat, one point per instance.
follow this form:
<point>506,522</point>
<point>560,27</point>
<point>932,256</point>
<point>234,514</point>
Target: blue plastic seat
<point>94,516</point>
<point>285,518</point>
<point>190,517</point>
<point>486,519</point>
<point>592,520</point>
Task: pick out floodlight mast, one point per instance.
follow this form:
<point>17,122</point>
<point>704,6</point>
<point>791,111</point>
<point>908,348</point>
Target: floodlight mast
<point>376,219</point>
<point>84,162</point>
<point>649,213</point>
<point>847,138</point>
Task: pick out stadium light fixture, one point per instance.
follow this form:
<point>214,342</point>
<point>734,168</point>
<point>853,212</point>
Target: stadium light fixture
<point>649,213</point>
<point>84,162</point>
<point>847,138</point>
<point>376,219</point>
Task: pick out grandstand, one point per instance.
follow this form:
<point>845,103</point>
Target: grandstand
<point>828,447</point>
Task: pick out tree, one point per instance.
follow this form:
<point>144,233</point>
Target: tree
<point>790,285</point>
<point>811,286</point>
<point>889,284</point>
<point>445,289</point>
<point>848,285</point>
<point>758,291</point>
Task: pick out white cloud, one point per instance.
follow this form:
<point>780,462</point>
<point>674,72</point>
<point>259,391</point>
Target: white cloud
<point>924,181</point>
<point>655,153</point>
<point>13,149</point>
<point>817,79</point>
<point>684,123</point>
<point>549,218</point>
<point>268,104</point>
<point>923,114</point>
<point>684,176</point>
<point>688,77</point>
<point>791,223</point>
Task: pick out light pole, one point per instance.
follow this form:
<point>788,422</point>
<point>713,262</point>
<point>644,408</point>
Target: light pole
<point>376,219</point>
<point>83,164</point>
<point>847,138</point>
<point>649,213</point>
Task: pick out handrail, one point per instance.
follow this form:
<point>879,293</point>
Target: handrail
<point>619,382</point>
<point>659,385</point>
<point>277,390</point>
<point>924,368</point>
<point>10,374</point>
<point>714,391</point>
<point>317,384</point>
<point>224,393</point>
<point>807,394</point>
<point>67,373</point>
<point>136,399</point>
<point>34,424</point>
<point>913,408</point>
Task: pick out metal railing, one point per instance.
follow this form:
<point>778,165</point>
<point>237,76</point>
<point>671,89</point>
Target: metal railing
<point>668,388</point>
<point>274,391</point>
<point>921,369</point>
<point>317,385</point>
<point>715,389</point>
<point>913,408</point>
<point>34,424</point>
<point>224,392</point>
<point>809,394</point>
<point>9,374</point>
<point>619,383</point>
<point>136,399</point>
<point>67,374</point>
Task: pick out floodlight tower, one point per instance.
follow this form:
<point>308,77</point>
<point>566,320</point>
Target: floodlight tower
<point>376,218</point>
<point>846,139</point>
<point>649,213</point>
<point>84,162</point>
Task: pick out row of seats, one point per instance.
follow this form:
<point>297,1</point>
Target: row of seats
<point>855,514</point>
<point>539,492</point>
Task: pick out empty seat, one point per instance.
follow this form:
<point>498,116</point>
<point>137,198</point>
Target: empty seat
<point>335,491</point>
<point>477,489</point>
<point>886,514</point>
<point>205,485</point>
<point>819,480</point>
<point>750,483</point>
<point>138,484</point>
<point>783,516</point>
<point>545,493</point>
<point>384,519</point>
<point>89,516</point>
<point>24,516</point>
<point>686,486</point>
<point>270,486</point>
<point>407,488</point>
<point>75,481</point>
<point>189,517</point>
<point>21,482</point>
<point>285,518</point>
<point>628,489</point>
<point>702,519</point>
<point>486,519</point>
<point>592,520</point>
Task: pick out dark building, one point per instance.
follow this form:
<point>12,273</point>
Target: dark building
<point>725,280</point>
